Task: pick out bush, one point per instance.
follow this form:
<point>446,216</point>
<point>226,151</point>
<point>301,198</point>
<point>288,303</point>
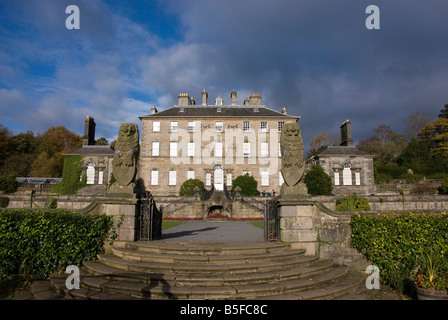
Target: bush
<point>4,201</point>
<point>317,181</point>
<point>352,203</point>
<point>9,184</point>
<point>247,184</point>
<point>443,189</point>
<point>39,242</point>
<point>70,183</point>
<point>396,243</point>
<point>187,188</point>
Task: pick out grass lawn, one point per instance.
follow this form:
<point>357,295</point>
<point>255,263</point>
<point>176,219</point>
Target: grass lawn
<point>258,224</point>
<point>170,223</point>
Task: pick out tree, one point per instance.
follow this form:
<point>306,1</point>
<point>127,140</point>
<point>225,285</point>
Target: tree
<point>385,144</point>
<point>317,181</point>
<point>436,133</point>
<point>188,187</point>
<point>247,184</point>
<point>317,144</point>
<point>101,142</point>
<point>53,144</point>
<point>414,124</point>
<point>444,112</point>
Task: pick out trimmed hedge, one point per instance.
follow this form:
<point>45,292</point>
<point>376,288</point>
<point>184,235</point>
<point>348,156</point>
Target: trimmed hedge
<point>41,242</point>
<point>396,243</point>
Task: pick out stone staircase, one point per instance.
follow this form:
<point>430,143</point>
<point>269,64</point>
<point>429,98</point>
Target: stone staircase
<point>194,270</point>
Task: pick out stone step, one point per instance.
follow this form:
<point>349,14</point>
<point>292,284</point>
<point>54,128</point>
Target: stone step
<point>243,267</point>
<point>201,249</point>
<point>330,284</point>
<point>207,279</point>
<point>173,270</point>
<point>135,255</point>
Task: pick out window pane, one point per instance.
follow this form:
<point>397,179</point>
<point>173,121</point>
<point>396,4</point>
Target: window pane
<point>246,126</point>
<point>155,148</point>
<point>156,126</point>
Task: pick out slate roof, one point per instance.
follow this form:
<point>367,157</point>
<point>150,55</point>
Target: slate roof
<point>94,150</point>
<point>219,111</point>
<point>342,150</point>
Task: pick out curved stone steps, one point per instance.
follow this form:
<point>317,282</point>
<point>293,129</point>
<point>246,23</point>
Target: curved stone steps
<point>163,270</point>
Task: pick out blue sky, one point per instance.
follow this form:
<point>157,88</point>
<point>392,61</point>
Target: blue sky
<point>316,58</point>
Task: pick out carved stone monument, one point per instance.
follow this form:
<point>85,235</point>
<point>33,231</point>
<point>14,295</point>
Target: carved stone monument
<point>293,162</point>
<point>124,163</point>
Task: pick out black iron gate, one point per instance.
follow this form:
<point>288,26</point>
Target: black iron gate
<point>271,221</point>
<point>150,219</point>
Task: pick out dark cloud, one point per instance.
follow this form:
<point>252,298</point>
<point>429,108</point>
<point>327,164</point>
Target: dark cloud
<point>316,58</point>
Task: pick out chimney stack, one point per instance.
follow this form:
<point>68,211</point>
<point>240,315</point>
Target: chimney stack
<point>346,134</point>
<point>89,132</point>
<point>255,99</point>
<point>204,97</point>
<point>246,101</point>
<point>233,97</point>
<point>154,110</point>
<point>183,99</point>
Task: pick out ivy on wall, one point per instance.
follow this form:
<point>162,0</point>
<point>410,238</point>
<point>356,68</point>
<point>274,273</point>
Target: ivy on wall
<point>71,176</point>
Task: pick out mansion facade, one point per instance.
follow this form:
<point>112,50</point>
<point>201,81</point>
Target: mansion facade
<point>213,143</point>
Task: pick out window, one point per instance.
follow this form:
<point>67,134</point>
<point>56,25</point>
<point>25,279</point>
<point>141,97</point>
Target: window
<point>218,149</point>
<point>357,178</point>
<point>100,177</point>
<point>246,126</point>
<point>156,126</point>
<point>173,126</point>
<point>155,148</point>
<point>280,125</point>
<point>154,177</point>
<point>90,172</point>
<point>229,179</point>
<point>246,149</point>
<point>279,150</point>
<point>264,178</point>
<point>264,149</point>
<point>347,175</point>
<point>190,174</point>
<point>190,152</point>
<point>191,126</point>
<point>264,126</point>
<point>208,179</point>
<point>246,172</point>
<point>172,178</point>
<point>173,149</point>
<point>218,126</point>
<point>336,178</point>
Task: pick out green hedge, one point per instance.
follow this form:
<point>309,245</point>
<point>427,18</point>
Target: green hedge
<point>41,242</point>
<point>395,243</point>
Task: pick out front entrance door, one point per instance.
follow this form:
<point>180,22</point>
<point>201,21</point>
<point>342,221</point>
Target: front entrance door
<point>218,174</point>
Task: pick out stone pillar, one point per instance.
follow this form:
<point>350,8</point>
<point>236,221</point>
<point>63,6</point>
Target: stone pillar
<point>297,225</point>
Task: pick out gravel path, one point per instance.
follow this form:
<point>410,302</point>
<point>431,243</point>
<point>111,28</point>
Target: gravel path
<point>222,231</point>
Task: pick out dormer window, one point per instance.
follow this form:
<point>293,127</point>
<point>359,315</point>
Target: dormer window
<point>218,110</point>
<point>255,109</point>
<point>182,109</point>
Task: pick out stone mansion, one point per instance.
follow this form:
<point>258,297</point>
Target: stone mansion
<point>214,143</point>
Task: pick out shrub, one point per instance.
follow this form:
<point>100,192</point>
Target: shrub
<point>443,189</point>
<point>352,203</point>
<point>9,184</point>
<point>396,243</point>
<point>247,184</point>
<point>70,183</point>
<point>317,181</point>
<point>39,242</point>
<point>4,201</point>
<point>187,188</point>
